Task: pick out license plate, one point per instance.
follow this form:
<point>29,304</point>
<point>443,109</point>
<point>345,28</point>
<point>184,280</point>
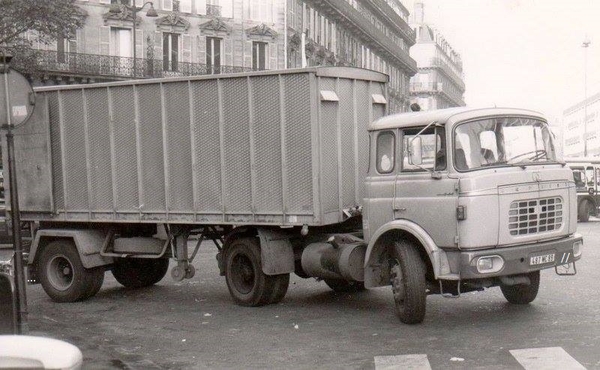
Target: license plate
<point>540,260</point>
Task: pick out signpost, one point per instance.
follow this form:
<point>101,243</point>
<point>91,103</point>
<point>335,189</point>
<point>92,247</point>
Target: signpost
<point>16,106</point>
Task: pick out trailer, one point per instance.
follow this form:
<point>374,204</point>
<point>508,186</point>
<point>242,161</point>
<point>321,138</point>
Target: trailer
<point>297,171</point>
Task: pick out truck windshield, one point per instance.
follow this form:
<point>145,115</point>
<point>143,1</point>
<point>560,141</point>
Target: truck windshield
<point>502,141</point>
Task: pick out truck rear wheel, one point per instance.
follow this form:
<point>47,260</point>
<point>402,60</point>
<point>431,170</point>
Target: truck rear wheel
<point>408,283</point>
<point>246,282</point>
<point>139,272</point>
<point>63,276</point>
<point>345,286</point>
<point>280,287</point>
<point>521,293</point>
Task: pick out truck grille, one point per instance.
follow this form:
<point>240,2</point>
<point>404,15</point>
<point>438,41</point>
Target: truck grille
<point>535,216</point>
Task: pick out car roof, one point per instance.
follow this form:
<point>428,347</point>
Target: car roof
<point>446,116</point>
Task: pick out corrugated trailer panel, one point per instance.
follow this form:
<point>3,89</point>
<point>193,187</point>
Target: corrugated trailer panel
<point>254,148</point>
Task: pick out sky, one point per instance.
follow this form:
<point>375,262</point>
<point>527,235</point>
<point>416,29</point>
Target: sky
<point>522,53</point>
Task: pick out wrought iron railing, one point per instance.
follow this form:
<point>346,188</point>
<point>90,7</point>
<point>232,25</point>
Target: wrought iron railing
<point>106,66</point>
<point>214,10</point>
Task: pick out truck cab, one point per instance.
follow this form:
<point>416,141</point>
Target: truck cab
<point>464,199</point>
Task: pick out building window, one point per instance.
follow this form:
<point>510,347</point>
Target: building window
<point>259,55</point>
<point>261,10</point>
<point>213,55</point>
<point>170,51</point>
<point>62,48</point>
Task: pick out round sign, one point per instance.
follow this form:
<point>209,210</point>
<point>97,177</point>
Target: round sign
<point>21,98</point>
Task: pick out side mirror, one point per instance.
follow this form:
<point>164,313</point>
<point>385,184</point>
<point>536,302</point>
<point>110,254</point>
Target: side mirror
<point>415,153</point>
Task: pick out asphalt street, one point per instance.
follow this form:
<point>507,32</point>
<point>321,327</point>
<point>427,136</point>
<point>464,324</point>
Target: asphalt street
<point>195,325</point>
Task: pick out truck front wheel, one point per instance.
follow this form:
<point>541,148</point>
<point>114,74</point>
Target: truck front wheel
<point>246,282</point>
<point>408,283</point>
<point>522,293</point>
<point>63,276</point>
<point>139,272</point>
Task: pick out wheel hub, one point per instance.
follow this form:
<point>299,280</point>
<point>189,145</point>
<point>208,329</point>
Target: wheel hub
<point>60,272</point>
<point>397,283</point>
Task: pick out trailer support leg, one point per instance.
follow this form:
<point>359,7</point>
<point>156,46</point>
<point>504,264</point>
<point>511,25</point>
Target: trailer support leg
<point>183,270</point>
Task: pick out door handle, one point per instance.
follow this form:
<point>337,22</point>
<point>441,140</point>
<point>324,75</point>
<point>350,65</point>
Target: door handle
<point>399,209</point>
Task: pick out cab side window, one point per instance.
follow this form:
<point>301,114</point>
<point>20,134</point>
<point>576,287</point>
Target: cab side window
<point>386,143</point>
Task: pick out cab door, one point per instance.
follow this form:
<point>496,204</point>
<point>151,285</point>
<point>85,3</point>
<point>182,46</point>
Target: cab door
<point>425,193</point>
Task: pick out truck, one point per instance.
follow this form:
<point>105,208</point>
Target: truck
<point>586,174</point>
<point>296,171</point>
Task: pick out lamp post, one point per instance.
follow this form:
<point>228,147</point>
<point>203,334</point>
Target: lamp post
<point>134,10</point>
<point>16,108</point>
<point>586,43</point>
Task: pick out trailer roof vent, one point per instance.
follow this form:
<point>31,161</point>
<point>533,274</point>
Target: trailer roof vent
<point>328,95</point>
<point>378,99</point>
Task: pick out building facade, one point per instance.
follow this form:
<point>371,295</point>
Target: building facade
<point>581,123</point>
<point>194,37</point>
<point>439,82</point>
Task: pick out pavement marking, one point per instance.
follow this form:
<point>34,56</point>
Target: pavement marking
<point>404,362</point>
<point>548,358</point>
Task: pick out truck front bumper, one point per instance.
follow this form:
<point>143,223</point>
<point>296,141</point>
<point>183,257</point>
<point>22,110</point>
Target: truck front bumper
<point>519,259</point>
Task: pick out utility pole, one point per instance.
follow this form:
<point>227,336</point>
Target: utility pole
<point>585,45</point>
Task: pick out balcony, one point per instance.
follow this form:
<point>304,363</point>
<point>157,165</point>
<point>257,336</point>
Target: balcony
<point>364,30</point>
<point>119,68</point>
<point>445,68</point>
<point>213,10</point>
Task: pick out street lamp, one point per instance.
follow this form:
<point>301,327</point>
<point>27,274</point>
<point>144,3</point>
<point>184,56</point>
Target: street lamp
<point>134,9</point>
<point>585,45</point>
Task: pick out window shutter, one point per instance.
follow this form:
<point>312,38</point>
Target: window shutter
<point>167,4</point>
<point>187,48</point>
<point>201,7</point>
<point>104,40</point>
<point>139,44</point>
<point>185,6</point>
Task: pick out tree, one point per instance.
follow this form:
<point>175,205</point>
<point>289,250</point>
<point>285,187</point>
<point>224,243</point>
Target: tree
<point>50,19</point>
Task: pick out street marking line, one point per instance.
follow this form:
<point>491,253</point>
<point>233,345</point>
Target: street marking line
<point>548,358</point>
<point>404,362</point>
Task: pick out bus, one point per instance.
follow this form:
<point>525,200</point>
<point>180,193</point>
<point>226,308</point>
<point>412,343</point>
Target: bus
<point>586,173</point>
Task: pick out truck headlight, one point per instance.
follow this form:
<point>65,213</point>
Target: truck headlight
<point>489,264</point>
<point>577,248</point>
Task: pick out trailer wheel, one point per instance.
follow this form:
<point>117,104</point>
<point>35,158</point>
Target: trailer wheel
<point>246,282</point>
<point>280,287</point>
<point>584,210</point>
<point>522,294</point>
<point>345,286</point>
<point>139,272</point>
<point>63,276</point>
<point>408,283</point>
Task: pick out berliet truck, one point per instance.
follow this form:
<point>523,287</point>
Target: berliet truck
<point>296,171</point>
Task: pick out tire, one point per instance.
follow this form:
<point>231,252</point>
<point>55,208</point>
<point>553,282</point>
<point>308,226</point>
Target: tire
<point>97,280</point>
<point>522,294</point>
<point>280,287</point>
<point>140,272</point>
<point>583,211</point>
<point>63,276</point>
<point>345,286</point>
<point>408,283</point>
<point>247,284</point>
